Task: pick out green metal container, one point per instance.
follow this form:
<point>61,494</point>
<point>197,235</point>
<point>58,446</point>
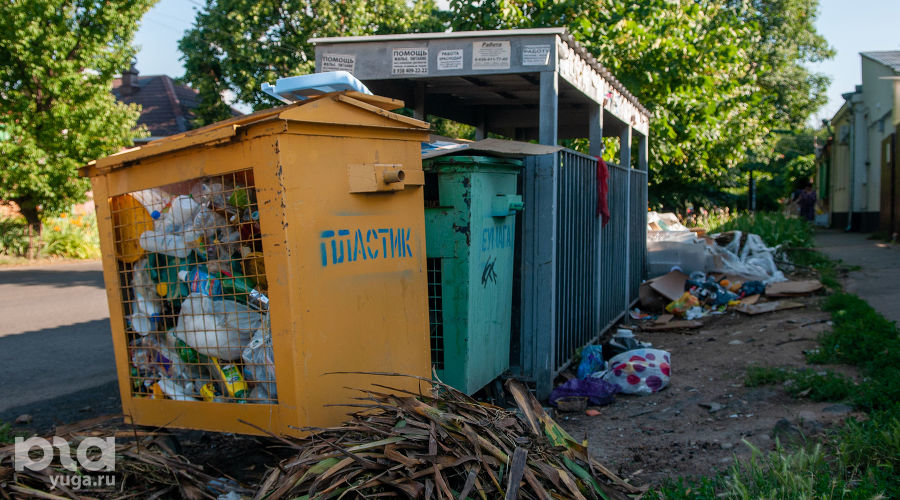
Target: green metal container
<point>470,207</point>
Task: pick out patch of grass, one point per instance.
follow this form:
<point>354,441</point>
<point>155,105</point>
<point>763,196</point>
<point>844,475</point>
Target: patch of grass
<point>816,385</point>
<point>821,386</point>
<point>702,488</point>
<point>860,335</point>
<point>765,375</point>
<point>801,474</point>
<point>774,228</point>
<point>872,443</point>
<point>8,435</point>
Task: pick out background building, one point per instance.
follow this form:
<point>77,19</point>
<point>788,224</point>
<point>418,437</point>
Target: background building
<point>857,176</point>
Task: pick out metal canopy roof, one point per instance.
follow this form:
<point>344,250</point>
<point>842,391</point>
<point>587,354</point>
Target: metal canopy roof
<point>523,84</point>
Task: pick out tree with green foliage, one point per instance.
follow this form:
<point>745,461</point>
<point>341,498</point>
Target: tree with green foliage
<point>717,75</point>
<point>57,60</point>
<point>236,45</point>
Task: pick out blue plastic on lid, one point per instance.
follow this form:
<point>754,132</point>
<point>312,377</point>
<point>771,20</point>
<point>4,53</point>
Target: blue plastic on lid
<point>297,88</point>
<point>155,214</point>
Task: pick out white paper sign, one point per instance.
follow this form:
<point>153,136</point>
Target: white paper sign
<point>413,61</point>
<point>450,59</point>
<point>490,54</point>
<point>535,55</point>
<point>338,62</point>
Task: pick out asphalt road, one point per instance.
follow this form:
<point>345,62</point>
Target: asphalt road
<point>55,344</point>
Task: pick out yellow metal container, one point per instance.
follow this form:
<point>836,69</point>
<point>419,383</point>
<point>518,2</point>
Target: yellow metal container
<point>331,191</point>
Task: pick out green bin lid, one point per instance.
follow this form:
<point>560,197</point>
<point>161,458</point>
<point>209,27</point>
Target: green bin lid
<point>472,163</point>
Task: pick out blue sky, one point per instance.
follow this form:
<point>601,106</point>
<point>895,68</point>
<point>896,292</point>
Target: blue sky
<point>850,27</point>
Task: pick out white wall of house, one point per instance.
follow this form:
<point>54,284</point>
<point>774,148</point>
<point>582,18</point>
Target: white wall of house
<point>878,101</point>
<point>840,162</point>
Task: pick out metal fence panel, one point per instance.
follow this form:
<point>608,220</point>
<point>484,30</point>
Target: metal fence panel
<point>638,231</point>
<point>574,279</point>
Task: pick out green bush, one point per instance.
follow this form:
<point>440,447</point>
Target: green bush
<point>13,236</point>
<point>73,237</point>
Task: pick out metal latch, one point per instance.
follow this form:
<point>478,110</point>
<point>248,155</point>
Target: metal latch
<point>506,204</point>
<point>376,177</point>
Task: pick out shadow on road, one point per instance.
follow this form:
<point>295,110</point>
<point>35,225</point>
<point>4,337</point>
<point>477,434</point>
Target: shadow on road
<point>68,408</point>
<point>59,278</point>
<point>45,364</point>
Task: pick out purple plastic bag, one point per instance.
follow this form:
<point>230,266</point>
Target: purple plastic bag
<point>598,391</point>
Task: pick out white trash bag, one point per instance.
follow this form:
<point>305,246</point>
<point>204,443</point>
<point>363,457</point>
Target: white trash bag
<point>639,371</point>
<point>217,328</point>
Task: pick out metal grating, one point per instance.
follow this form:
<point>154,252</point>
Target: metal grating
<point>574,279</point>
<point>637,258</point>
<point>436,311</point>
<point>193,285</point>
<point>577,252</point>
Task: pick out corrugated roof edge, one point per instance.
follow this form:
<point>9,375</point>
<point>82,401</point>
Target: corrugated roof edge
<point>599,68</point>
<point>496,147</point>
<point>562,32</point>
<point>443,34</point>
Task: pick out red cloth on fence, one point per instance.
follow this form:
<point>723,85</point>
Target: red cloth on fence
<point>602,191</point>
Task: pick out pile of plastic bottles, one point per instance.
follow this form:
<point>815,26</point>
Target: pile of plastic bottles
<point>197,307</point>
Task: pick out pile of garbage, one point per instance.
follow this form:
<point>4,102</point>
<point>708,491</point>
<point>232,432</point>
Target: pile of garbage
<point>671,245</point>
<point>623,364</point>
<point>676,300</point>
<point>194,292</point>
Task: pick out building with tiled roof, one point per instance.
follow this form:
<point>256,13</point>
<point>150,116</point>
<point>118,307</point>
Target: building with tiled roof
<point>889,58</point>
<point>166,106</point>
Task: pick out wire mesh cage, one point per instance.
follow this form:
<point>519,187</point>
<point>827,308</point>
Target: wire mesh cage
<point>194,289</point>
<point>436,311</point>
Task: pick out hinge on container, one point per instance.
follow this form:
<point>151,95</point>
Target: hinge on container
<point>377,177</point>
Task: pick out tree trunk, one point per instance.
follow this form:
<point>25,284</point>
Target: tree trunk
<point>34,230</point>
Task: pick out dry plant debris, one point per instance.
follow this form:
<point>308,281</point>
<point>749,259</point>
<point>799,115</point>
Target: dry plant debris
<point>444,445</point>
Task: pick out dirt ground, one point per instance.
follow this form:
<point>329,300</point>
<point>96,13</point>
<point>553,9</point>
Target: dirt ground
<point>675,432</point>
<point>694,427</point>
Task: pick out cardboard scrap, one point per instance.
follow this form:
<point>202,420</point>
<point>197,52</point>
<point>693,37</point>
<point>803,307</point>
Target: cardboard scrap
<point>767,307</point>
<point>668,322</point>
<point>793,288</point>
<point>670,285</point>
<point>650,299</point>
<point>664,318</point>
<point>750,299</point>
